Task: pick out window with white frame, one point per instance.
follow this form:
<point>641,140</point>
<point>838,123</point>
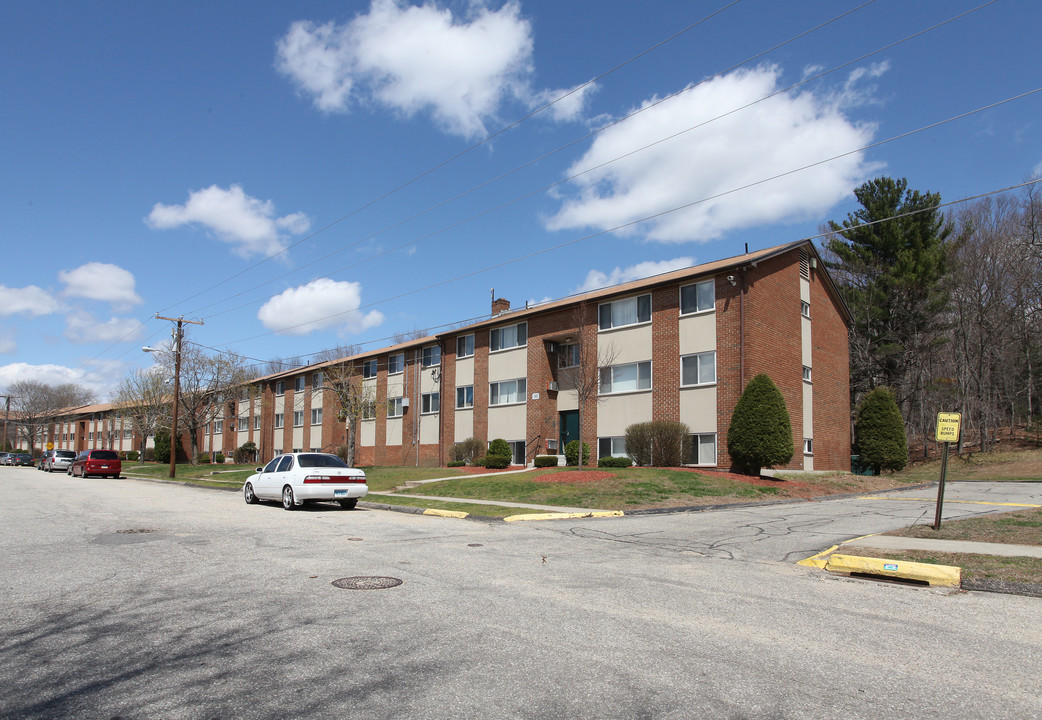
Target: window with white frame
<point>808,446</point>
<point>244,423</point>
<point>298,418</point>
<point>465,346</point>
<point>511,336</point>
<point>396,364</point>
<point>369,410</point>
<point>280,420</point>
<point>431,356</point>
<point>698,369</point>
<point>395,407</point>
<point>806,373</point>
<point>620,313</point>
<point>256,422</point>
<point>630,377</point>
<point>126,433</point>
<point>700,297</point>
<point>316,416</point>
<point>568,357</point>
<point>316,380</point>
<point>430,403</point>
<point>804,308</point>
<point>464,397</point>
<point>507,392</point>
<point>611,447</point>
<point>298,384</point>
<point>703,449</point>
<point>218,427</point>
<point>369,369</point>
<point>280,387</point>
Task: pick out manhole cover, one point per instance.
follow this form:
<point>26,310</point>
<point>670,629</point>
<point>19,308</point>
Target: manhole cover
<point>478,544</point>
<point>134,531</point>
<point>367,583</point>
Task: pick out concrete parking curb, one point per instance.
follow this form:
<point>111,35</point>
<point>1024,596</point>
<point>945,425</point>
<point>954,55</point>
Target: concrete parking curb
<point>563,516</point>
<point>933,575</point>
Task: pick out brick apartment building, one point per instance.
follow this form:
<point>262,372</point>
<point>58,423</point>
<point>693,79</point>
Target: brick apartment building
<point>677,346</point>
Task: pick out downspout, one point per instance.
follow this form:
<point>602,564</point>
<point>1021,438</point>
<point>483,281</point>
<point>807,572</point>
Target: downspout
<point>441,406</point>
<point>415,410</point>
<point>741,333</point>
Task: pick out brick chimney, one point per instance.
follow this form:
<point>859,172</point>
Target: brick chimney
<point>499,306</point>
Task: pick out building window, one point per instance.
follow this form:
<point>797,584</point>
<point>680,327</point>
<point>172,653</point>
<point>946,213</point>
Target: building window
<point>280,420</point>
<point>806,373</point>
<point>280,387</point>
<point>700,297</point>
<point>698,369</point>
<point>396,364</point>
<point>611,447</point>
<point>805,309</point>
<point>298,418</point>
<point>808,446</point>
<point>218,427</point>
<point>507,392</point>
<point>316,416</point>
<point>626,378</point>
<point>431,356</point>
<point>568,357</point>
<point>703,449</point>
<point>126,434</point>
<point>256,422</point>
<point>464,397</point>
<point>244,423</point>
<point>430,403</point>
<point>620,313</point>
<point>369,410</point>
<point>90,435</point>
<point>316,380</point>
<point>464,346</point>
<point>298,384</point>
<point>508,337</point>
<point>395,407</point>
<point>369,369</point>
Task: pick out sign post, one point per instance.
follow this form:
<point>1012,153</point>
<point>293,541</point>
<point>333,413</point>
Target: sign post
<point>947,432</point>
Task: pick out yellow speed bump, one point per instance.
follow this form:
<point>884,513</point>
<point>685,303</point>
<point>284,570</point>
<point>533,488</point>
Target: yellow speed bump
<point>562,516</point>
<point>445,513</point>
<point>944,575</point>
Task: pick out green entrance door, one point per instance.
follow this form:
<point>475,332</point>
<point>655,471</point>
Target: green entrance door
<point>569,425</point>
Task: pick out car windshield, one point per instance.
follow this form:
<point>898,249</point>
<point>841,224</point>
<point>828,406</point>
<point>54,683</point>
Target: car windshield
<point>104,455</point>
<point>64,454</point>
<point>311,460</point>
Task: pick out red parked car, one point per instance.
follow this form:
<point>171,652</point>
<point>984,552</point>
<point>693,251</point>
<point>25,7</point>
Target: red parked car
<point>96,462</point>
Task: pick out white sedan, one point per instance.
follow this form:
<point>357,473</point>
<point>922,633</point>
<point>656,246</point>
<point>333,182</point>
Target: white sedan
<point>297,478</point>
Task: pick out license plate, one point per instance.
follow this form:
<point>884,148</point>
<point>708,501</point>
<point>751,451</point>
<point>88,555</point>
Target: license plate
<point>104,467</point>
<point>340,493</point>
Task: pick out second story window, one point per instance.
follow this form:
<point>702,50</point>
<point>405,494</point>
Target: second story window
<point>805,309</point>
<point>279,420</point>
<point>507,392</point>
<point>298,418</point>
<point>620,313</point>
<point>698,369</point>
<point>626,378</point>
<point>464,397</point>
<point>568,357</point>
<point>430,403</point>
<point>508,337</point>
<point>700,297</point>
<point>395,407</point>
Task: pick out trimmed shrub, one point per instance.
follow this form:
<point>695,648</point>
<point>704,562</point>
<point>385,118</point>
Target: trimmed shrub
<point>467,450</point>
<point>150,454</point>
<point>499,446</point>
<point>131,455</point>
<point>571,453</point>
<point>760,434</point>
<point>662,443</point>
<point>341,452</point>
<point>203,458</point>
<point>614,462</point>
<point>879,432</point>
<point>245,453</point>
<point>543,461</point>
<point>497,462</point>
<point>219,458</point>
<point>455,463</point>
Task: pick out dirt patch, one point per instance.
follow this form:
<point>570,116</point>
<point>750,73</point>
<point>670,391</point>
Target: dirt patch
<point>478,470</point>
<point>575,476</point>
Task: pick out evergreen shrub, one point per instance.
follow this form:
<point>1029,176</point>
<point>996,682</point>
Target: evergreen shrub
<point>571,453</point>
<point>760,434</point>
<point>879,432</point>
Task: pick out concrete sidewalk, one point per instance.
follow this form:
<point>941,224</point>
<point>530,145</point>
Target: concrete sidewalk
<point>890,542</point>
<point>496,503</point>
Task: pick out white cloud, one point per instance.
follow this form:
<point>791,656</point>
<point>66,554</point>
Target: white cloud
<point>100,376</point>
<point>1036,172</point>
<point>82,327</point>
<point>418,58</point>
<point>101,281</point>
<point>771,137</point>
<point>8,346</point>
<point>319,305</point>
<point>234,217</point>
<point>30,300</point>
<point>596,279</point>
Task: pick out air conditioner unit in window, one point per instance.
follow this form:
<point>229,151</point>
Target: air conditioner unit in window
<point>552,386</point>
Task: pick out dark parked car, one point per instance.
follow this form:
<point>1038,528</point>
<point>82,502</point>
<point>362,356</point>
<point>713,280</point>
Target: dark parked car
<point>22,459</point>
<point>96,462</point>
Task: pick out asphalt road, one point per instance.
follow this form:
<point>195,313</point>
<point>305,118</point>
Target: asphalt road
<point>127,599</point>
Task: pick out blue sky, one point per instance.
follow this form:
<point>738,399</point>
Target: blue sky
<point>305,175</point>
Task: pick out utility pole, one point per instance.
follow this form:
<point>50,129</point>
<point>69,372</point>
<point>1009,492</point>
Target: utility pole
<point>7,413</point>
<point>175,437</point>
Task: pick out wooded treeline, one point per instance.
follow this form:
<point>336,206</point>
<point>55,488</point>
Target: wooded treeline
<point>947,307</point>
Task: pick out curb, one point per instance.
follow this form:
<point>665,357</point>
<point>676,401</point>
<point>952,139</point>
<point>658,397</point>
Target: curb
<point>933,575</point>
<point>562,516</point>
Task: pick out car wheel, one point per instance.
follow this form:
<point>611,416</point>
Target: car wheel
<point>349,504</point>
<point>247,491</point>
<point>287,498</point>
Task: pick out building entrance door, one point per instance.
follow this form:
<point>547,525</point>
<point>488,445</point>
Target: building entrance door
<point>569,424</point>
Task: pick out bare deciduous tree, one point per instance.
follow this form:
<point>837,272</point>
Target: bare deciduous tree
<point>143,398</point>
<point>36,404</point>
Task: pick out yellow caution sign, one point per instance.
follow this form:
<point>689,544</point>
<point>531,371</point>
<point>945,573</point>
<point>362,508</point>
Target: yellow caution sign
<point>948,426</point>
